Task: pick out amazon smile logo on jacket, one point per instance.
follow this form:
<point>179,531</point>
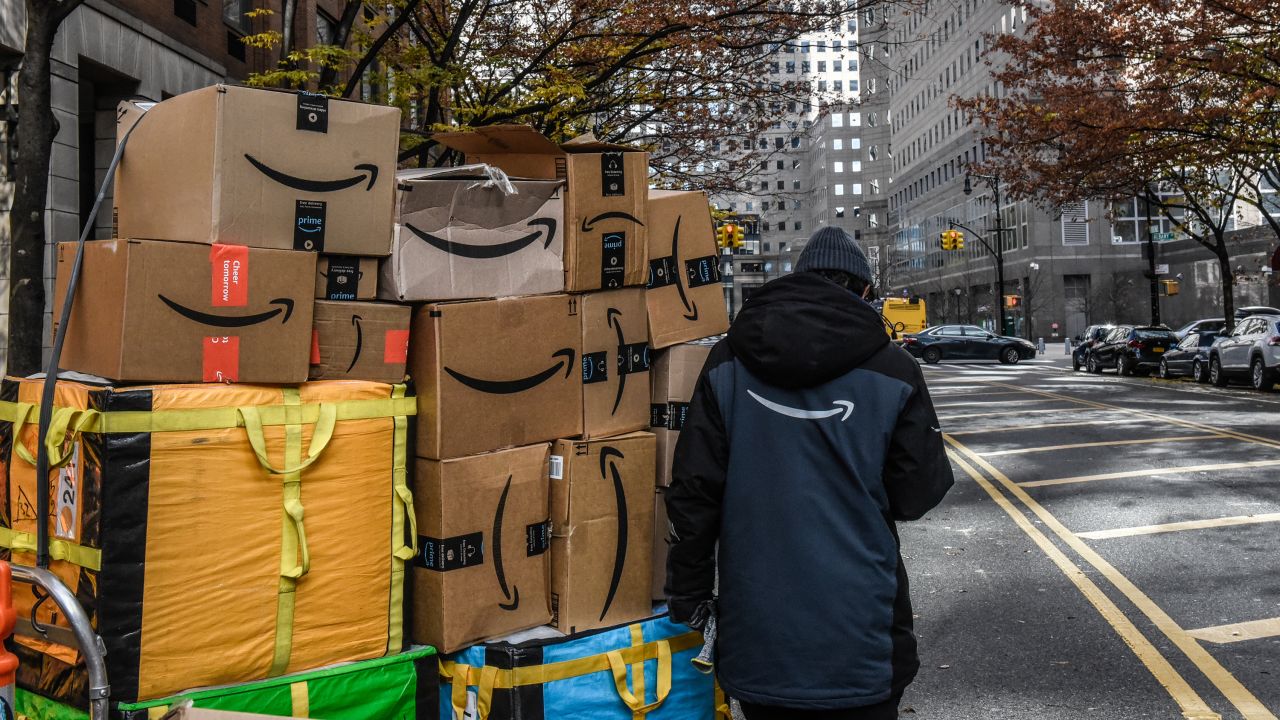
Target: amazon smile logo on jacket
<point>838,408</point>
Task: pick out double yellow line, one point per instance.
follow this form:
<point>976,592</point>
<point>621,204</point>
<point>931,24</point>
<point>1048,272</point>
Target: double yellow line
<point>1188,700</point>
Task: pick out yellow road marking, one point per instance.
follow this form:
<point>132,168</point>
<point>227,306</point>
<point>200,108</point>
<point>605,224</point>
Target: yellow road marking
<point>998,414</point>
<point>1191,704</point>
<point>1148,472</point>
<point>1103,443</point>
<point>1239,696</point>
<point>1239,632</point>
<point>1180,526</point>
<point>1076,423</point>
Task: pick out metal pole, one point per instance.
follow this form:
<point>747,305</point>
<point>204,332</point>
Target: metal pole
<point>1155,282</point>
<point>91,648</point>
<point>999,252</point>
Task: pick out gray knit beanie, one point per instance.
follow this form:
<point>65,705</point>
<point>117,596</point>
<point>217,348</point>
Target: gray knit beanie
<point>831,248</point>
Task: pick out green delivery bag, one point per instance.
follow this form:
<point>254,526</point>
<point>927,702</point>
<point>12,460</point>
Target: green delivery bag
<point>398,687</point>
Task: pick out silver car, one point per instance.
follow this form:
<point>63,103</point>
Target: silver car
<point>1251,351</point>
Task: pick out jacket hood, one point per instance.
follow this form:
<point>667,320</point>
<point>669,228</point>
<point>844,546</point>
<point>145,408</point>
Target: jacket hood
<point>803,330</point>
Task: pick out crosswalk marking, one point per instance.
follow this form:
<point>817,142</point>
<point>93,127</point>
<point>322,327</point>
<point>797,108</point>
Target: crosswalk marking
<point>1180,526</point>
<point>1148,472</point>
<point>1103,443</point>
<point>1239,632</point>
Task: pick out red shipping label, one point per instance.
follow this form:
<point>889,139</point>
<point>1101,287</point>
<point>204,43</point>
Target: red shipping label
<point>315,346</point>
<point>397,347</point>
<point>222,359</point>
<point>230,264</point>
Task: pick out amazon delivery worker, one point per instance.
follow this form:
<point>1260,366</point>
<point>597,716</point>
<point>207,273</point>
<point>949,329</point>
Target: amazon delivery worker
<point>808,437</point>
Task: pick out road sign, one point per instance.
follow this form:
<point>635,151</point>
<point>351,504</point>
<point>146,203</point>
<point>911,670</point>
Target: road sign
<point>1162,269</point>
<point>1162,237</point>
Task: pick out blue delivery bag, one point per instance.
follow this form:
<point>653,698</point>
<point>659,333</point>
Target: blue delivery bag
<point>637,671</point>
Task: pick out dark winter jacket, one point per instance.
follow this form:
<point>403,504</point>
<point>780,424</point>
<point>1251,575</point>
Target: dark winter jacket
<point>808,435</point>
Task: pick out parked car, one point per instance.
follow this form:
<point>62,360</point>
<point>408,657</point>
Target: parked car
<point>966,342</point>
<point>1250,352</point>
<point>1190,357</point>
<point>1131,349</point>
<point>1216,325</point>
<point>1085,342</point>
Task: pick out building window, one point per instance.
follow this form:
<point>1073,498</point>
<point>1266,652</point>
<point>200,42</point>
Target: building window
<point>327,33</point>
<point>838,189</point>
<point>804,66</point>
<point>764,184</point>
<point>852,26</point>
<point>856,188</point>
<point>777,143</point>
<point>773,67</point>
<point>837,120</point>
<point>795,142</point>
<point>781,186</point>
<point>765,226</point>
<point>751,205</point>
<point>804,46</point>
<point>837,167</point>
<point>795,184</point>
<point>837,85</point>
<point>837,144</point>
<point>185,10</point>
<point>795,164</point>
<point>839,212</point>
<point>797,225</point>
<point>233,13</point>
<point>822,66</point>
<point>873,152</point>
<point>791,66</point>
<point>822,46</point>
<point>764,164</point>
<point>836,65</point>
<point>835,46</point>
<point>822,86</point>
<point>779,165</point>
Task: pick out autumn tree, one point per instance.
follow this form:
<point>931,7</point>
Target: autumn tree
<point>1126,98</point>
<point>688,81</point>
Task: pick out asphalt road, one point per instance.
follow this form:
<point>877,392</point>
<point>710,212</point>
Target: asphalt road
<point>1109,549</point>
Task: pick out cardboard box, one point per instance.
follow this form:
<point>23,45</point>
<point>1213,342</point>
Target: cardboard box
<point>496,373</point>
<point>344,277</point>
<point>482,564</point>
<point>605,202</point>
<point>686,299</point>
<point>148,311</point>
<point>264,168</point>
<point>660,545</point>
<point>675,375</point>
<point>602,531</point>
<point>470,232</point>
<point>615,362</point>
<point>360,341</point>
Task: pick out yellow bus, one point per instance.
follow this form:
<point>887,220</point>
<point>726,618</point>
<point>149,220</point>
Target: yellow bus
<point>902,316</point>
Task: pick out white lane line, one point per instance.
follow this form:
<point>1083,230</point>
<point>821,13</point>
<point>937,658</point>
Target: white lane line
<point>1180,526</point>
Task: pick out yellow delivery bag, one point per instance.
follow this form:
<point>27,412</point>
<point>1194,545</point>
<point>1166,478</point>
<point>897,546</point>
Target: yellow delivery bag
<point>215,534</point>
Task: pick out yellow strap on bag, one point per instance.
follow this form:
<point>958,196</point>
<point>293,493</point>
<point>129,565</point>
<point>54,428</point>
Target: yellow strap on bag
<point>465,676</point>
<point>326,421</point>
<point>401,510</point>
<point>300,700</point>
<point>18,413</point>
<point>59,549</point>
<point>295,558</point>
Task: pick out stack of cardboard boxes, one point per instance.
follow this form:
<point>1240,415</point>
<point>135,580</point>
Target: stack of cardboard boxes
<point>541,298</point>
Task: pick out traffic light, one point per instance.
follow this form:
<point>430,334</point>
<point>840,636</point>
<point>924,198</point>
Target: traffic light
<point>1171,287</point>
<point>730,235</point>
<point>722,236</point>
<point>1012,301</point>
<point>738,237</point>
<point>952,240</point>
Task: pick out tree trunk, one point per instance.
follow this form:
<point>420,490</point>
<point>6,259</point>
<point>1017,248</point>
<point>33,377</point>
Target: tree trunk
<point>36,130</point>
<point>1228,282</point>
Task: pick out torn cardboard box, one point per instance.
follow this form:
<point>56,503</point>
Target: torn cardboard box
<point>686,299</point>
<point>470,232</point>
<point>149,311</point>
<point>615,362</point>
<point>604,204</point>
<point>602,531</point>
<point>675,375</point>
<point>345,277</point>
<point>483,534</point>
<point>496,373</point>
<point>264,168</point>
<point>360,341</point>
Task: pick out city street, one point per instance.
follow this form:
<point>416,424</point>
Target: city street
<point>1109,549</point>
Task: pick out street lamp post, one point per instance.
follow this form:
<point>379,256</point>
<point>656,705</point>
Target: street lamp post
<point>994,180</point>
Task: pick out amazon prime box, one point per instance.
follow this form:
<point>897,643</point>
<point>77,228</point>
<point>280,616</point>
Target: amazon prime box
<point>496,373</point>
<point>359,341</point>
<point>675,375</point>
<point>604,203</point>
<point>149,311</point>
<point>344,277</point>
<point>264,168</point>
<point>602,531</point>
<point>481,570</point>
<point>470,232</point>
<point>686,299</point>
<point>615,362</point>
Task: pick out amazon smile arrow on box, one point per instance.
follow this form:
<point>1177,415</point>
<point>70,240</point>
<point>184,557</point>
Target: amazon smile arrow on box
<point>264,168</point>
<point>148,311</point>
<point>496,373</point>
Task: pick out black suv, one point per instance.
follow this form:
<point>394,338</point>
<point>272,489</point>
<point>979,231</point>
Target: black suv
<point>1131,349</point>
<point>1091,336</point>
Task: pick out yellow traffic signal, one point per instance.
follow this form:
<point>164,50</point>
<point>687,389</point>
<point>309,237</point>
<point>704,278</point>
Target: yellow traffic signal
<point>947,242</point>
<point>1171,287</point>
<point>722,236</point>
<point>959,240</point>
<point>738,237</point>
